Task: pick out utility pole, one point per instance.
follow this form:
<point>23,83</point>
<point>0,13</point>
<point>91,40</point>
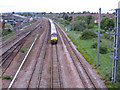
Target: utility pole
<point>116,45</point>
<point>99,37</point>
<point>13,22</point>
<point>64,20</point>
<point>73,26</point>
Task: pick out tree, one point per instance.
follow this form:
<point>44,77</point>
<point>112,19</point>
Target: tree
<point>72,12</point>
<point>110,23</point>
<point>43,13</point>
<point>13,12</point>
<point>70,18</point>
<point>83,22</point>
<point>25,14</point>
<point>79,25</point>
<point>68,13</point>
<point>107,22</point>
<point>113,13</point>
<point>80,18</point>
<point>65,16</point>
<point>66,22</point>
<point>50,13</point>
<point>90,26</point>
<point>8,27</point>
<point>103,23</point>
<point>89,19</point>
<point>29,14</point>
<point>79,13</point>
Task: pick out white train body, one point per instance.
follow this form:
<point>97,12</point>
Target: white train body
<point>53,34</point>
<point>53,29</point>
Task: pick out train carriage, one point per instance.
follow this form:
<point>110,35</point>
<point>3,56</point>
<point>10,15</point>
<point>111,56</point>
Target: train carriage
<point>53,34</point>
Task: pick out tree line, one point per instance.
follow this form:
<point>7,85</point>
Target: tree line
<point>87,22</point>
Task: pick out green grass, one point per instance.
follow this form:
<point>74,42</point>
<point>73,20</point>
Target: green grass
<point>22,51</point>
<point>90,54</point>
<point>6,77</point>
<point>96,29</point>
<point>6,33</point>
<point>25,49</point>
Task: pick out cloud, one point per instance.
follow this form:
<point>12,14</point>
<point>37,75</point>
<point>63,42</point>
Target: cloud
<point>119,4</point>
<point>56,5</point>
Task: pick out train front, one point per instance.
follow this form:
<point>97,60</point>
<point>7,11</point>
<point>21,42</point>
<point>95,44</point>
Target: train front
<point>54,38</point>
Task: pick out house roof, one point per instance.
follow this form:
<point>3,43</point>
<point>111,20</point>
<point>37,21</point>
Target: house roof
<point>19,16</point>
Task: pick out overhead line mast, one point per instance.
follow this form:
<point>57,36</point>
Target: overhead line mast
<point>116,45</point>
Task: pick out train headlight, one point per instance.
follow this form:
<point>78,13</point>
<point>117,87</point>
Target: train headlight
<point>53,38</point>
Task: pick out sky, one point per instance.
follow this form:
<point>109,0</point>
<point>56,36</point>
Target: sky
<point>57,5</point>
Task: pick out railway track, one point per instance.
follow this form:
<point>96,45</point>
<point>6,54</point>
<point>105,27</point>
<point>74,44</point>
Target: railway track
<point>40,56</point>
<point>21,64</point>
<point>41,52</point>
<point>47,62</point>
<point>17,35</point>
<point>10,53</point>
<point>8,45</point>
<point>37,73</point>
<point>53,66</point>
<point>56,80</point>
<point>86,78</point>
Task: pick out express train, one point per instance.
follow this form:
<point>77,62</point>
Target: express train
<point>53,34</point>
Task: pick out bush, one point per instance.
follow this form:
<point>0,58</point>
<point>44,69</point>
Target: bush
<point>22,51</point>
<point>103,22</point>
<point>89,19</point>
<point>6,77</point>
<point>79,25</point>
<point>107,22</point>
<point>94,45</point>
<point>78,18</point>
<point>90,26</point>
<point>66,22</point>
<point>6,32</point>
<point>8,26</point>
<point>88,35</point>
<point>102,31</point>
<point>103,50</point>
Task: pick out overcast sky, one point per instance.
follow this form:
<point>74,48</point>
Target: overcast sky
<point>57,5</point>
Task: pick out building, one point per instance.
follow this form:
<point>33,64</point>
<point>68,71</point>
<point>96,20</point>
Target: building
<point>14,19</point>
